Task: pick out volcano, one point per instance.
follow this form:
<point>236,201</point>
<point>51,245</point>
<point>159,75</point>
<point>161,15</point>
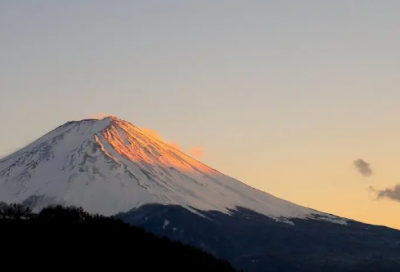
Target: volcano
<point>109,166</point>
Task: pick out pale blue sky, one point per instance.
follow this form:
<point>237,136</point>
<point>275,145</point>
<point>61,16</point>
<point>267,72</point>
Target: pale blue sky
<point>283,94</point>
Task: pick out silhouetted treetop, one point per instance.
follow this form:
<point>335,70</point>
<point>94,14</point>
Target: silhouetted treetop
<point>71,238</point>
<point>14,211</point>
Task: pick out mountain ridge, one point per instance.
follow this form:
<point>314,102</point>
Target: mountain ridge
<point>109,166</point>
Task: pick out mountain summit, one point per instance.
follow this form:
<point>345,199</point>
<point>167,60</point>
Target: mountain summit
<point>108,166</point>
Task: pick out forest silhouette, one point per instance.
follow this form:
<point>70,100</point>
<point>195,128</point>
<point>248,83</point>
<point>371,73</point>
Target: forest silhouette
<point>61,237</point>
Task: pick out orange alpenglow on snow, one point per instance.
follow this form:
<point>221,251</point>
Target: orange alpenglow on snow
<point>138,145</point>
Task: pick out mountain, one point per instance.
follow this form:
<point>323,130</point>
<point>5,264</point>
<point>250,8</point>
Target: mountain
<point>112,167</point>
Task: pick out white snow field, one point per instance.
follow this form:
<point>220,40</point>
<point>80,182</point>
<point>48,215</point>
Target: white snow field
<point>109,166</point>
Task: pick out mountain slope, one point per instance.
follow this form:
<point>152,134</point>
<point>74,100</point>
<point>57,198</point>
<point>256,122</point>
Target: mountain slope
<point>109,166</point>
<point>257,243</point>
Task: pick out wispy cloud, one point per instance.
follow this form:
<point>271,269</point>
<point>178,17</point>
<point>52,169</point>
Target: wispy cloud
<point>99,116</point>
<point>158,136</point>
<point>363,167</point>
<point>197,151</point>
<point>151,132</point>
<point>392,193</point>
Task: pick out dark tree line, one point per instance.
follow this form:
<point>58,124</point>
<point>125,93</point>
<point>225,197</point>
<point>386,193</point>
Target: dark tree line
<point>63,238</point>
<point>14,211</point>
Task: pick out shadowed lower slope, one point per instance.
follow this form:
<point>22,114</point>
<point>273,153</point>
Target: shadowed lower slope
<point>256,243</point>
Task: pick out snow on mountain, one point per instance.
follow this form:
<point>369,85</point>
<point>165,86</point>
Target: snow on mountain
<point>109,166</point>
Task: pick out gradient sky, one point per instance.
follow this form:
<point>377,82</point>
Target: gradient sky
<point>283,95</point>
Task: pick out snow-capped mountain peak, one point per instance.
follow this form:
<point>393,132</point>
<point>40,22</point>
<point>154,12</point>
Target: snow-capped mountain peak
<point>109,166</point>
